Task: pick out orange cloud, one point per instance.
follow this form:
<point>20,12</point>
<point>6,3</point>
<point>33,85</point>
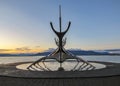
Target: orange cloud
<point>22,50</point>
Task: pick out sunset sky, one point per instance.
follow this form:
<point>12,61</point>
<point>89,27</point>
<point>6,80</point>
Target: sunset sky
<point>24,24</point>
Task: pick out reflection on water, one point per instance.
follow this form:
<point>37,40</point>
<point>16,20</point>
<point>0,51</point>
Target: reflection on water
<point>5,60</point>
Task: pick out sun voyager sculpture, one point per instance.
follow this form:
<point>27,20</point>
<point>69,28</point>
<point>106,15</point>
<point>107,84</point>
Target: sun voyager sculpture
<point>60,57</point>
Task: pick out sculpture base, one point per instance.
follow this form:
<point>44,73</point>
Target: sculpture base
<point>12,70</point>
<point>54,66</point>
<point>61,69</point>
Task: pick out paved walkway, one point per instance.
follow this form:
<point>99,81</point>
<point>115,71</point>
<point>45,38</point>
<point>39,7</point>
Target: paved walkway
<point>10,76</point>
<point>104,81</point>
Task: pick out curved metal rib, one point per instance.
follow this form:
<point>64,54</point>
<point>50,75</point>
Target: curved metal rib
<point>67,28</point>
<point>53,28</point>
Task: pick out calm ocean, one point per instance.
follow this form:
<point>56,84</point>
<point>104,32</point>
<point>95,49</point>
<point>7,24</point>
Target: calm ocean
<point>5,60</point>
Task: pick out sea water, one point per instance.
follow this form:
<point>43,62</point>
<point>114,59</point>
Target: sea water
<point>14,59</point>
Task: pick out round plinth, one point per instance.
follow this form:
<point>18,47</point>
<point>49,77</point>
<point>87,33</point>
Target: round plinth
<point>103,69</point>
<point>55,66</point>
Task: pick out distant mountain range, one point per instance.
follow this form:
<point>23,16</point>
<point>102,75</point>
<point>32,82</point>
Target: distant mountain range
<point>81,52</point>
<point>73,51</point>
<point>112,50</point>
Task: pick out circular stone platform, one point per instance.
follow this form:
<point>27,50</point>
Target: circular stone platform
<point>54,66</point>
<point>105,69</point>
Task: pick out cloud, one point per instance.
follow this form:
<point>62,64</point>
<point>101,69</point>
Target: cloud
<point>37,46</point>
<point>3,50</point>
<point>16,49</point>
<point>23,49</point>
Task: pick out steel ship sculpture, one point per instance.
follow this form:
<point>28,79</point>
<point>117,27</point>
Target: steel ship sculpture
<point>60,55</point>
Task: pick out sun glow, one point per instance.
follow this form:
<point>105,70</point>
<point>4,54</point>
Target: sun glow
<point>21,50</point>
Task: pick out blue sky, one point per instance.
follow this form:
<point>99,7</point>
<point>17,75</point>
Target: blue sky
<point>25,23</point>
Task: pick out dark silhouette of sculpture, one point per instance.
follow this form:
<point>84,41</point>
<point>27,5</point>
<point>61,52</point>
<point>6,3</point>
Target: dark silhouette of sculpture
<point>60,54</point>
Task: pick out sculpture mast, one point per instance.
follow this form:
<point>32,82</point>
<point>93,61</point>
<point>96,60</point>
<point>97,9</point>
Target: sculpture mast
<point>60,20</point>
